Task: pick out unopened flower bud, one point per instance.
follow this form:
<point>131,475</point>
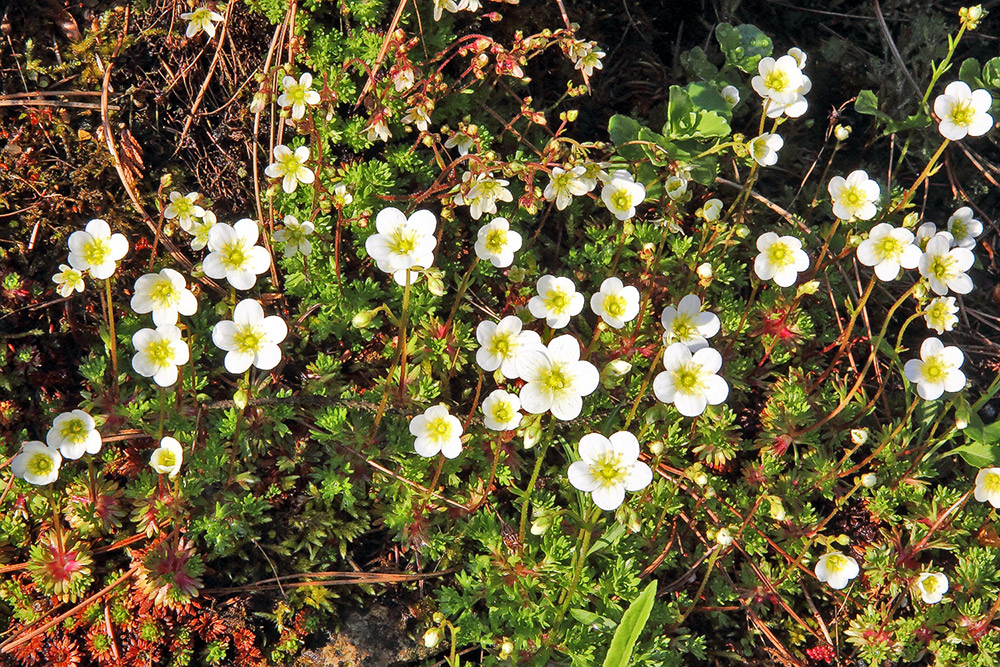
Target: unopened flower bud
<point>705,272</point>
<point>259,102</point>
<point>859,436</point>
<point>910,220</point>
<point>541,524</point>
<point>842,132</point>
<point>438,617</point>
<point>808,288</point>
<point>363,318</point>
<point>920,291</point>
<point>742,231</point>
<point>777,510</point>
<point>656,447</point>
<point>724,537</point>
<point>516,274</point>
<point>701,479</point>
<point>506,649</point>
<point>868,480</point>
<point>961,423</point>
<point>971,16</point>
<point>432,637</point>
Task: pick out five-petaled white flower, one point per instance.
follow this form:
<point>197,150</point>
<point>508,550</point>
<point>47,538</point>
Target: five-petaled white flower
<point>294,236</point>
<point>688,324</point>
<point>616,303</point>
<point>557,380</point>
<point>298,94</point>
<point>96,249</point>
<point>781,258</point>
<point>836,569</point>
<point>564,185</point>
<point>764,149</point>
<point>940,314</point>
<point>200,19</point>
<point>341,197</point>
<point>184,209</point>
<point>37,463</point>
<point>461,140</point>
<point>250,338</point>
<point>501,343</point>
<point>291,167</point>
<point>497,243</point>
<point>988,486</point>
<point>167,458</point>
<point>501,411</point>
<point>402,244</point>
<point>964,228</point>
<point>609,467</point>
<point>557,301</point>
<point>235,254</point>
<point>74,434</point>
<point>798,105</point>
<point>437,431</point>
<point>945,267</point>
<point>483,194</point>
<point>937,369</point>
<point>158,353</point>
<point>165,294</point>
<point>439,7</point>
<point>621,194</point>
<point>200,229</point>
<point>963,111</point>
<point>690,380</point>
<point>778,80</point>
<point>932,586</point>
<point>68,280</point>
<point>888,248</point>
<point>854,196</point>
<point>590,61</point>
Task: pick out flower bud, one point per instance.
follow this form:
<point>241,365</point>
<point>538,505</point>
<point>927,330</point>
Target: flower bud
<point>516,274</point>
<point>742,231</point>
<point>506,649</point>
<point>808,288</point>
<point>541,524</point>
<point>363,318</point>
<point>705,272</point>
<point>777,510</point>
<point>656,447</point>
<point>724,537</point>
<point>842,132</point>
<point>859,436</point>
<point>432,637</point>
<point>868,480</point>
<point>971,16</point>
<point>676,187</point>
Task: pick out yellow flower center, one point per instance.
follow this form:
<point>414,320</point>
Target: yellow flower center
<point>40,464</point>
<point>608,469</point>
<point>496,240</point>
<point>555,379</point>
<point>962,113</point>
<point>930,584</point>
<point>935,369</point>
<point>248,339</point>
<point>780,254</point>
<point>163,293</point>
<point>959,230</point>
<point>402,240</point>
<point>687,378</point>
<point>438,429</point>
<point>614,305</point>
<point>183,206</point>
<point>683,327</point>
<point>288,164</point>
<point>888,247</point>
<point>296,93</point>
<point>96,251</point>
<point>776,80</point>
<point>561,181</point>
<point>503,411</point>
<point>557,300</point>
<point>621,199</point>
<point>166,459</point>
<point>161,352</point>
<point>836,563</point>
<point>500,345</point>
<point>942,267</point>
<point>939,315</point>
<point>991,482</point>
<point>74,430</point>
<point>853,196</point>
<point>234,255</point>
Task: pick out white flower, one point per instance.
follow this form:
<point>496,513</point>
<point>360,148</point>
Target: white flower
<point>925,233</point>
<point>200,230</point>
<point>200,19</point>
<point>842,132</point>
<point>800,56</point>
<point>836,569</point>
<point>797,107</point>
<point>501,411</point>
<point>940,314</point>
<point>73,434</point>
<point>37,463</point>
<point>945,267</point>
<point>184,209</point>
<point>250,338</point>
<point>290,167</point>
<point>988,486</point>
<point>341,197</point>
<point>439,6</point>
<point>557,301</point>
<point>855,196</point>
<point>158,353</point>
<point>235,254</point>
<point>963,111</point>
<point>724,538</point>
<point>621,194</point>
<point>690,380</point>
<point>484,194</point>
<point>497,242</point>
<point>732,95</point>
<point>96,249</point>
<point>469,5</point>
<point>888,248</point>
<point>932,586</point>
<point>711,210</point>
<point>764,149</point>
<point>676,187</point>
<point>556,378</point>
<point>402,244</point>
<point>68,280</point>
<point>590,61</point>
<point>378,128</point>
<point>937,369</point>
<point>608,468</point>
<point>436,432</point>
<point>964,228</point>
<point>167,458</point>
<point>294,236</point>
<point>616,303</point>
<point>869,480</point>
<point>781,258</point>
<point>564,185</point>
<point>462,141</point>
<point>778,80</point>
<point>165,294</point>
<point>688,324</point>
<point>402,77</point>
<point>298,94</point>
<point>502,343</point>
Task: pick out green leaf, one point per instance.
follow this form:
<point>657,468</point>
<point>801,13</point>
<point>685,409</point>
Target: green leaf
<point>867,104</point>
<point>623,129</point>
<point>917,121</point>
<point>991,73</point>
<point>687,116</point>
<point>744,45</point>
<point>969,72</point>
<point>696,62</point>
<point>982,449</point>
<point>591,619</point>
<point>633,621</point>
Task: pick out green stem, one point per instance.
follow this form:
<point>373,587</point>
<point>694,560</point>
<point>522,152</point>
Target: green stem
<point>113,338</point>
<point>908,195</point>
<point>642,388</point>
<point>940,69</point>
<point>462,286</point>
<point>526,502</point>
<point>403,321</point>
